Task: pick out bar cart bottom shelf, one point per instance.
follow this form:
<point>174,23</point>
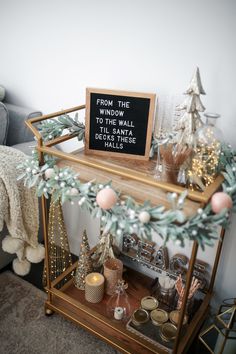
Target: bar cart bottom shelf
<point>70,302</point>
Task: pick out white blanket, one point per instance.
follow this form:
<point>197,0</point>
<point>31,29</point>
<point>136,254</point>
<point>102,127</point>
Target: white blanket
<point>19,210</point>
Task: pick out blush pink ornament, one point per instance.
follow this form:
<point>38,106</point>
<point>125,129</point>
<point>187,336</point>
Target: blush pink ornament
<point>220,201</point>
<point>106,198</point>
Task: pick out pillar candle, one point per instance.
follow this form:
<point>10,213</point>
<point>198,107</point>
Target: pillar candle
<point>94,287</point>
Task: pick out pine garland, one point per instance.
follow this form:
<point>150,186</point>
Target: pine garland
<point>124,217</point>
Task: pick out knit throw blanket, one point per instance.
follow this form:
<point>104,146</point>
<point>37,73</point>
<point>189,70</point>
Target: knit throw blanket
<point>19,210</point>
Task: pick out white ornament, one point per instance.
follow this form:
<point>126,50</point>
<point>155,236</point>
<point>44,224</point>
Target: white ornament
<point>62,184</point>
<point>56,178</point>
<point>131,214</point>
<point>45,190</point>
<point>144,217</point>
<point>122,224</point>
<point>34,171</point>
<point>60,174</point>
<point>178,243</point>
<point>119,232</point>
<point>28,169</point>
<point>49,173</point>
<point>81,201</point>
<point>73,191</point>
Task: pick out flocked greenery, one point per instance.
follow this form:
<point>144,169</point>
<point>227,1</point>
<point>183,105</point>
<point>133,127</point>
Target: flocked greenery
<point>52,128</point>
<point>124,216</point>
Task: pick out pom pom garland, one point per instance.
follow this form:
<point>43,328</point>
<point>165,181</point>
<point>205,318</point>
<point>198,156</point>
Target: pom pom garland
<point>126,215</point>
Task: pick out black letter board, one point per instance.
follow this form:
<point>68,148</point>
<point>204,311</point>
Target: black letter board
<point>119,123</point>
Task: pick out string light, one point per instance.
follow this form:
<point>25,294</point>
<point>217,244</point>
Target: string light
<point>58,247</point>
<point>205,161</point>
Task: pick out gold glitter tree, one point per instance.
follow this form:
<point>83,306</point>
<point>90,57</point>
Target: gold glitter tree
<point>58,246</point>
<point>85,265</point>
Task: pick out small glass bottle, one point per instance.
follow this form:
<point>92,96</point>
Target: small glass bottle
<point>207,150</point>
<point>118,306</point>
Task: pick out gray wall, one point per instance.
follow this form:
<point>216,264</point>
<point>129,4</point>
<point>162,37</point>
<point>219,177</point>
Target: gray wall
<point>52,50</point>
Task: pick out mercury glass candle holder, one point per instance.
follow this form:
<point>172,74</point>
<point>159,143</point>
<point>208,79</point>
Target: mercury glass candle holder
<point>113,269</point>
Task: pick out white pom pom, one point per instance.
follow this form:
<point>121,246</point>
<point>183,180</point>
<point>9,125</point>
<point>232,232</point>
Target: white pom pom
<point>144,217</point>
<point>49,173</point>
<point>73,191</point>
<point>21,267</point>
<point>35,254</point>
<point>11,244</point>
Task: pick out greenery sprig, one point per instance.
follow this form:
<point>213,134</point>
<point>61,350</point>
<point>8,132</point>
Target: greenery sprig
<point>53,128</point>
<point>125,215</point>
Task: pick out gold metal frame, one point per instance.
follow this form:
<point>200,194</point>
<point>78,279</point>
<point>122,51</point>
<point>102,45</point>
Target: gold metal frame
<point>206,331</point>
<point>181,344</point>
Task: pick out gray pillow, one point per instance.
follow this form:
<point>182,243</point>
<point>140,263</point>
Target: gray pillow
<point>2,93</point>
<point>4,122</point>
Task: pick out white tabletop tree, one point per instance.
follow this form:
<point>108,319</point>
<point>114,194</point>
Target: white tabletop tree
<point>188,123</point>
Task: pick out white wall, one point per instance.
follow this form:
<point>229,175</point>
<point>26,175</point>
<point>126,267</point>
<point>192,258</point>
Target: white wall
<point>51,50</point>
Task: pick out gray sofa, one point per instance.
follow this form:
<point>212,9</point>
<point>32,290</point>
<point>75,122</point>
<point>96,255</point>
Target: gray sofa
<point>13,132</point>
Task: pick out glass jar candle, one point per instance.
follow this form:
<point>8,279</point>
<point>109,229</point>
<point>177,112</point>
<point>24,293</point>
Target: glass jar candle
<point>207,150</point>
